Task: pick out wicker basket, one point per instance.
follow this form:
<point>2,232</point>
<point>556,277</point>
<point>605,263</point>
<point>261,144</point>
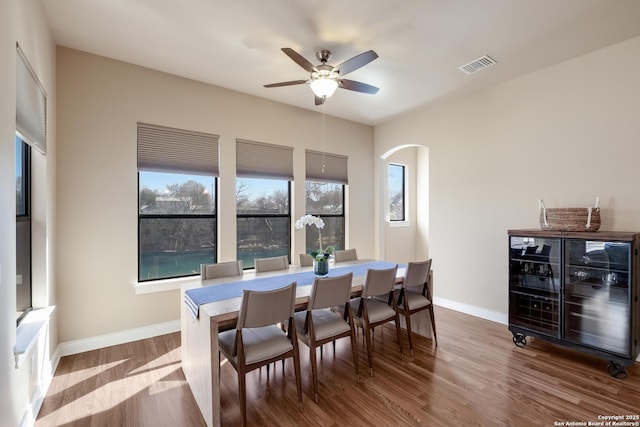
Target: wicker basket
<point>570,219</point>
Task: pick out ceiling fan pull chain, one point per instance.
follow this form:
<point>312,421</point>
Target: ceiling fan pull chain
<point>323,139</point>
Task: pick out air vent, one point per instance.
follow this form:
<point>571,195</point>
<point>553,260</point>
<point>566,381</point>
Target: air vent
<point>477,65</point>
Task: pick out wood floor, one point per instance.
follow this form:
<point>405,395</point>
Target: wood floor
<point>476,377</point>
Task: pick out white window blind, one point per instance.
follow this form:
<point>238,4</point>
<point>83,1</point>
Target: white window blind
<point>165,149</point>
<point>262,160</point>
<point>326,167</point>
<point>31,105</point>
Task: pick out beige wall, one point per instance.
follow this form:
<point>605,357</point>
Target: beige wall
<point>23,21</point>
<point>400,238</point>
<point>567,133</point>
<point>100,101</point>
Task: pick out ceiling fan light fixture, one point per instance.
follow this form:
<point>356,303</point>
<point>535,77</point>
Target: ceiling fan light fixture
<point>324,87</point>
<point>326,78</point>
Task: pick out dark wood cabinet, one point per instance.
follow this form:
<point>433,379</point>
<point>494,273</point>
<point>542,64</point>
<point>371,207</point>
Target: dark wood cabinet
<point>577,289</point>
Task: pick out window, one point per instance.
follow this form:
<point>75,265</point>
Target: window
<point>177,224</point>
<point>326,174</point>
<point>264,218</point>
<point>326,200</point>
<point>23,229</point>
<point>263,200</point>
<point>31,131</point>
<point>396,193</point>
<point>177,181</point>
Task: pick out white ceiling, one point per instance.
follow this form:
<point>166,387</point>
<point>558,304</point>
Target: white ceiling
<point>421,43</point>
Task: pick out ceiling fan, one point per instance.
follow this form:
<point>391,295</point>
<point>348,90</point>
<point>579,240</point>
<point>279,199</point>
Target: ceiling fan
<point>325,78</point>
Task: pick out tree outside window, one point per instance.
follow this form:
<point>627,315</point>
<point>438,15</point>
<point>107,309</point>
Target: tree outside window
<point>177,224</point>
<point>396,193</point>
<point>325,200</point>
<point>263,219</point>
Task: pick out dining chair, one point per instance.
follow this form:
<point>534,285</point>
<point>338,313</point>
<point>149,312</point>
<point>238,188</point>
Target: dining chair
<point>345,255</point>
<point>271,263</point>
<point>370,311</point>
<point>306,260</point>
<point>318,324</point>
<point>220,269</point>
<point>415,296</point>
<point>262,265</point>
<point>257,341</point>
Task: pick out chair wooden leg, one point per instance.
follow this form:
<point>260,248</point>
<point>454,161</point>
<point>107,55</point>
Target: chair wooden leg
<point>296,366</point>
<point>314,369</point>
<point>284,326</point>
<point>320,352</point>
<point>242,391</point>
<point>354,350</point>
<point>407,319</point>
<point>433,324</point>
<point>399,336</point>
<point>367,340</point>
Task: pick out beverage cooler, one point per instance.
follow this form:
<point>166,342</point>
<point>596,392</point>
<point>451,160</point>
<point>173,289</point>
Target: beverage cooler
<point>577,289</point>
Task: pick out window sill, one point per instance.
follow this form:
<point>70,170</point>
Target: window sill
<point>394,224</point>
<point>164,285</point>
<point>29,330</point>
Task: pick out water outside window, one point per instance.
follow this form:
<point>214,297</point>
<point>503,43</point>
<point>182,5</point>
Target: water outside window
<point>177,224</point>
<point>264,221</point>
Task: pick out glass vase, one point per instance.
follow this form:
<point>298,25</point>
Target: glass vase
<point>321,268</point>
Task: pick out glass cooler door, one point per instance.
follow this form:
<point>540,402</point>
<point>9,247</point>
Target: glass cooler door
<point>596,298</point>
<point>534,284</point>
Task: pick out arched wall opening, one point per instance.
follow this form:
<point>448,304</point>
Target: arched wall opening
<point>405,240</point>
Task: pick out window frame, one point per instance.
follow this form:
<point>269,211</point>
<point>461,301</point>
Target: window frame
<point>404,193</point>
<point>25,217</point>
<point>264,215</point>
<point>313,247</point>
<point>213,216</point>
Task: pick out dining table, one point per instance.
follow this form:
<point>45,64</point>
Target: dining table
<point>211,306</point>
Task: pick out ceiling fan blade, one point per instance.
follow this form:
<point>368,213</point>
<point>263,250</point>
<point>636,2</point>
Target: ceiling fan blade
<point>320,100</point>
<point>358,86</point>
<point>291,83</point>
<point>356,62</point>
<point>299,59</point>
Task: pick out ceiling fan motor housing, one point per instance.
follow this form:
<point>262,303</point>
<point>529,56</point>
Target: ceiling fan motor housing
<point>323,55</point>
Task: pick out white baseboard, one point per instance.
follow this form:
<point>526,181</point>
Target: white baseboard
<point>101,341</point>
<point>107,340</point>
<point>483,313</point>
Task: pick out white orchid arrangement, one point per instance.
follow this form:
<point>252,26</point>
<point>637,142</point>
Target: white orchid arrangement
<point>322,254</point>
